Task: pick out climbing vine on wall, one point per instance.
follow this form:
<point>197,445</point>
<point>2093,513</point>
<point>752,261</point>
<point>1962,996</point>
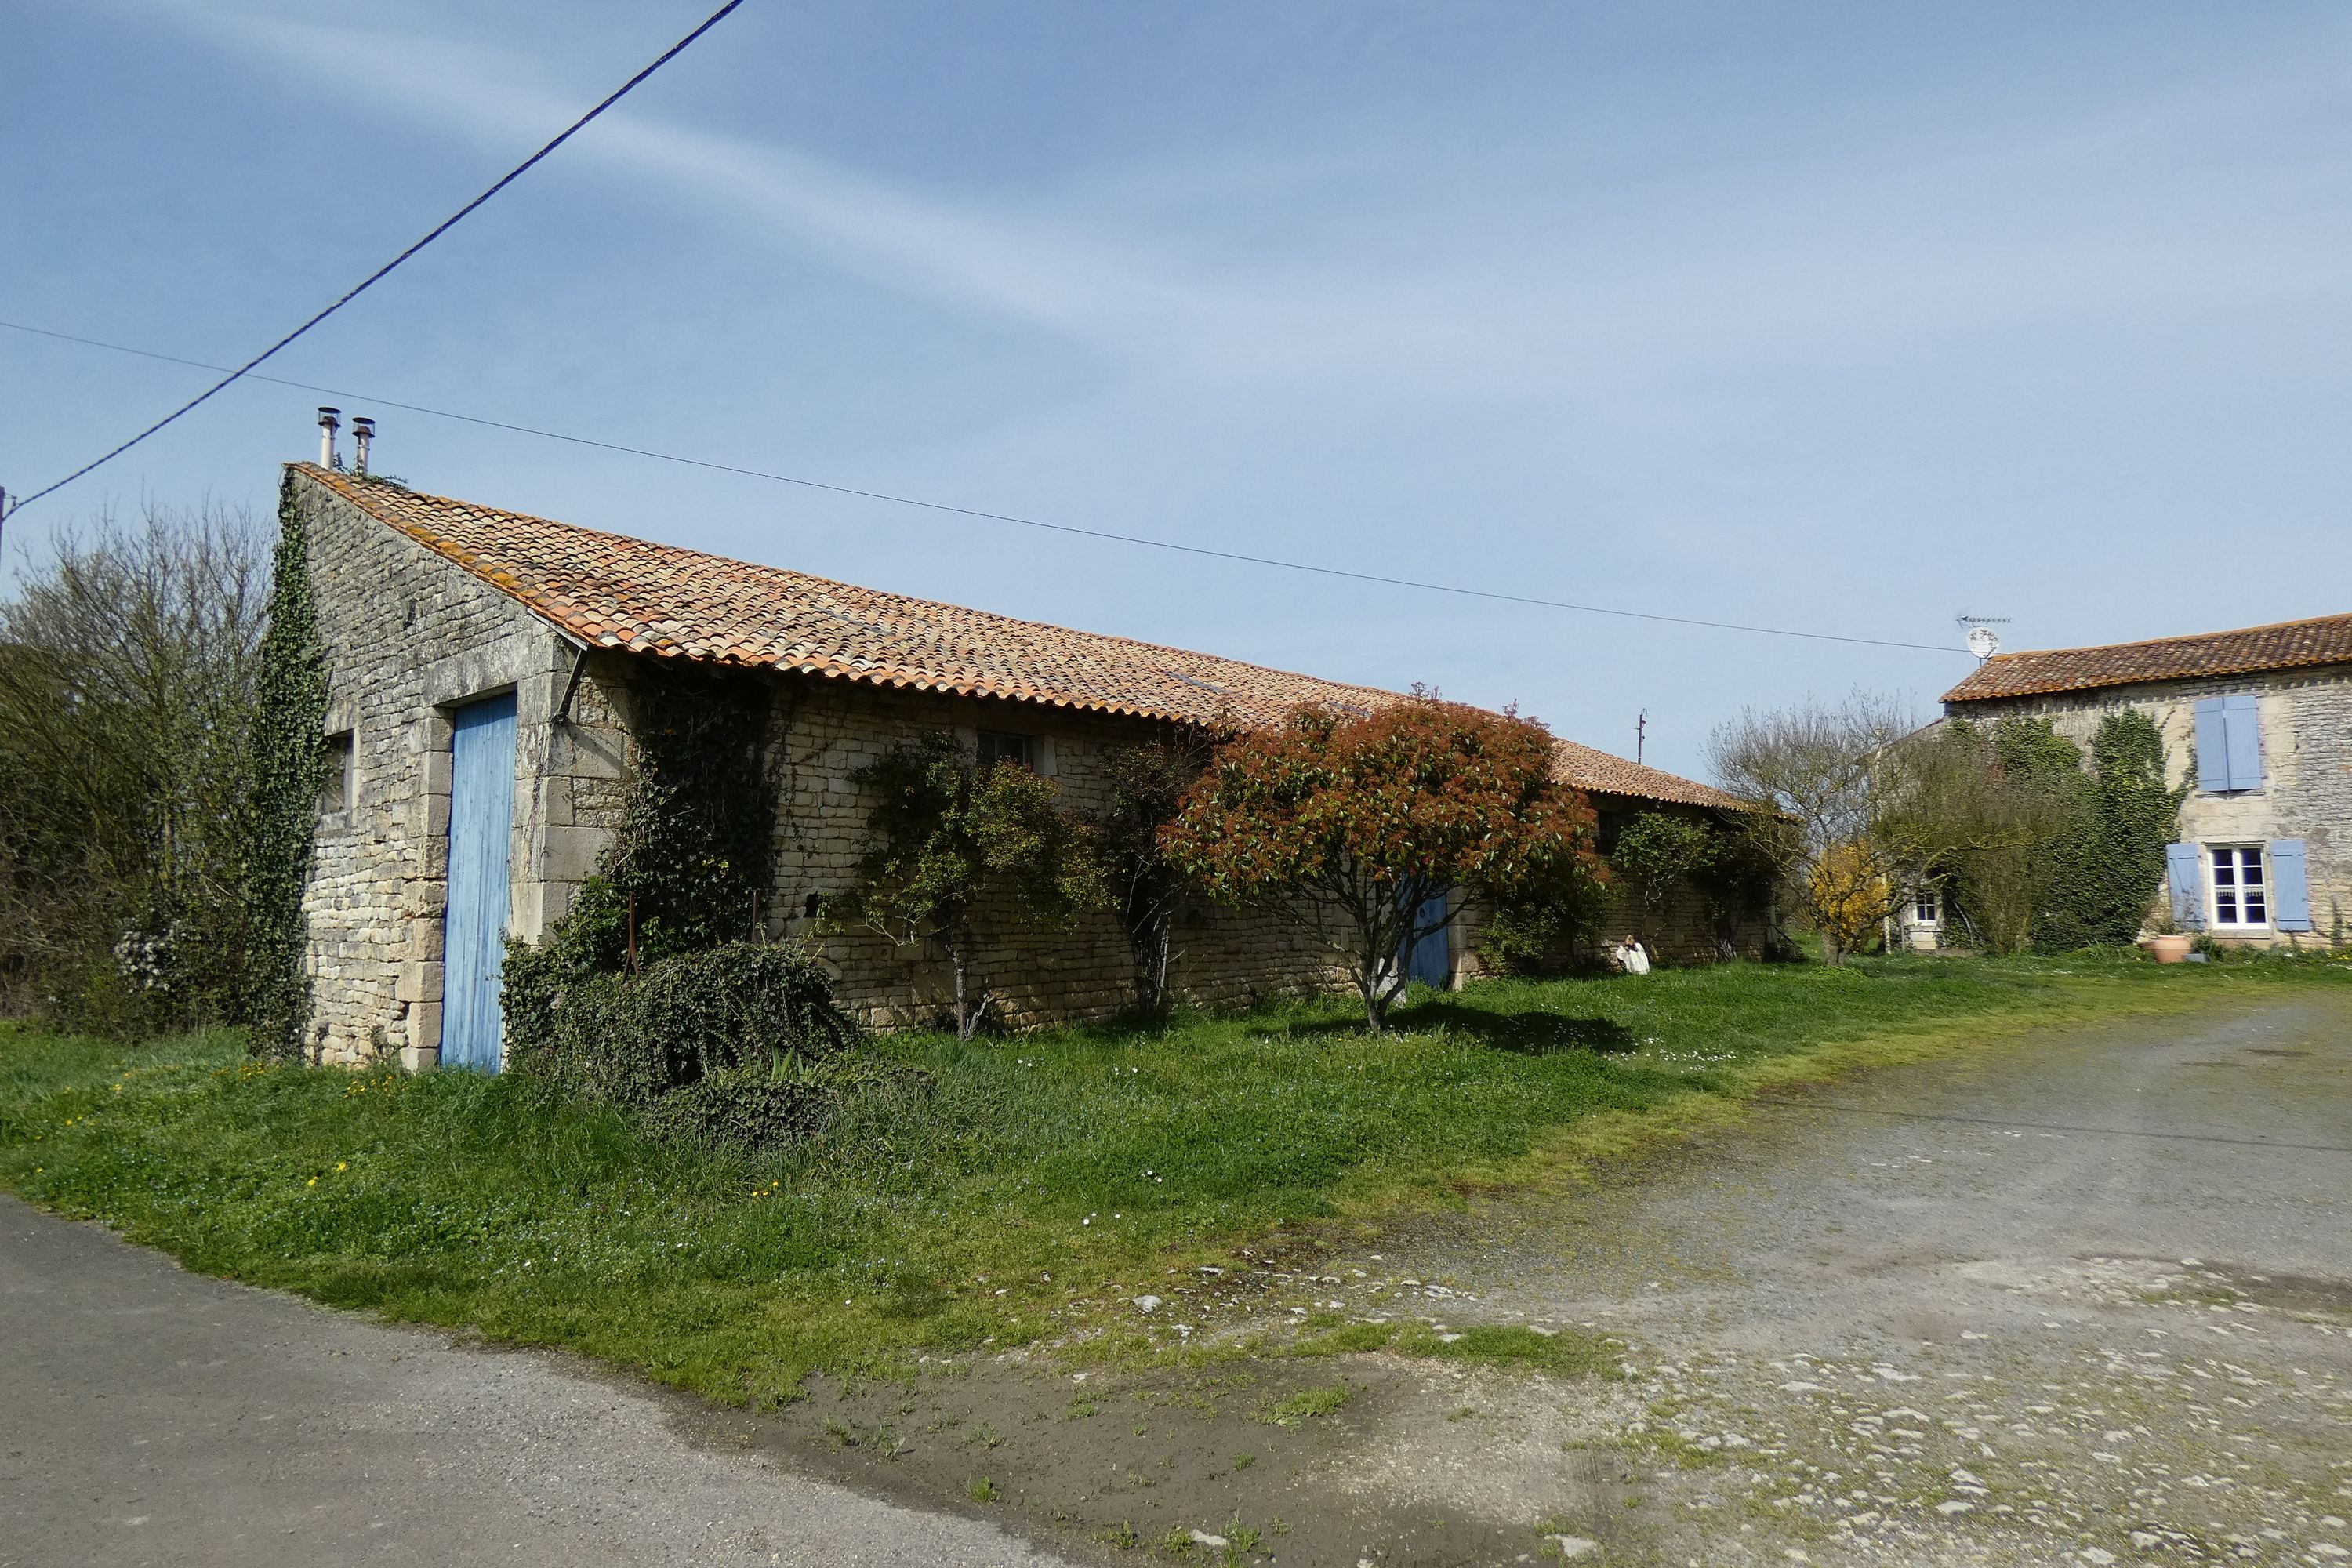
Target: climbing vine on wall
<point>2088,878</point>
<point>2107,861</point>
<point>690,857</point>
<point>289,760</point>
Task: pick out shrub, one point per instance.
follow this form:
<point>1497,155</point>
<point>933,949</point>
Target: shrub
<point>1360,828</point>
<point>633,1039</point>
<point>757,1107</point>
<point>740,1108</point>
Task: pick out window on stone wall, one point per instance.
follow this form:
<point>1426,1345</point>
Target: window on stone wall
<point>335,792</point>
<point>1608,828</point>
<point>997,746</point>
<point>2240,897</point>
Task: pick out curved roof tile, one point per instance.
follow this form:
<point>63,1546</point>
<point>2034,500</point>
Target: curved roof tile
<point>613,591</point>
<point>2287,645</point>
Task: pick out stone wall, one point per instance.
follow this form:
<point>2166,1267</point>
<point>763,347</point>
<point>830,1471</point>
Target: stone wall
<point>2306,794</point>
<point>824,730</point>
<point>407,637</point>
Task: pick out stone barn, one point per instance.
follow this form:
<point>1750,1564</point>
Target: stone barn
<point>484,669</point>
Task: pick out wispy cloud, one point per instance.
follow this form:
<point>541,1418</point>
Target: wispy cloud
<point>1872,251</point>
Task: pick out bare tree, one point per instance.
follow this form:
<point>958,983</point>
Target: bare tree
<point>127,662</point>
<point>1817,768</point>
<point>1953,810</point>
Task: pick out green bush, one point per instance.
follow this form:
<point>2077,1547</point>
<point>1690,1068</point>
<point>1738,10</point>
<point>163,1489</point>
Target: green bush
<point>633,1039</point>
<point>758,1108</point>
<point>740,1108</point>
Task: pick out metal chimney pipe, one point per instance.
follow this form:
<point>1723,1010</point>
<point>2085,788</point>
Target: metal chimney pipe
<point>363,436</point>
<point>328,425</point>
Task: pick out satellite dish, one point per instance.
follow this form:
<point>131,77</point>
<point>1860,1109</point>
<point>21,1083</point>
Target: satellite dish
<point>1982,643</point>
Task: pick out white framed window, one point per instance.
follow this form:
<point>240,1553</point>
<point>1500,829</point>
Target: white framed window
<point>1926,909</point>
<point>2240,892</point>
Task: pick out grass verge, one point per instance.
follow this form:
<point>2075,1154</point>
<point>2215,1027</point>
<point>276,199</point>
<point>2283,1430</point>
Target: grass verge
<point>1049,1179</point>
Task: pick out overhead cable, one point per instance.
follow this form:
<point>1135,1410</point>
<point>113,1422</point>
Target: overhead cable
<point>365,284</point>
<point>1063,528</point>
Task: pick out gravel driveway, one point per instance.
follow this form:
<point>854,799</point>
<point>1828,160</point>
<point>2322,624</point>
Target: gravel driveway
<point>2083,1299</point>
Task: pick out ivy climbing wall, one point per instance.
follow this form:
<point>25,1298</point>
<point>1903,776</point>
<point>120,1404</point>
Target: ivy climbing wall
<point>2306,723</point>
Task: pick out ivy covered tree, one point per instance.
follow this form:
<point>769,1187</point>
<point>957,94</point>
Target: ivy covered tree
<point>287,764</point>
<point>959,855</point>
<point>2099,862</point>
<point>1354,825</point>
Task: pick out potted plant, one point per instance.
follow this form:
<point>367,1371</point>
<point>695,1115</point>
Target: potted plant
<point>2165,939</point>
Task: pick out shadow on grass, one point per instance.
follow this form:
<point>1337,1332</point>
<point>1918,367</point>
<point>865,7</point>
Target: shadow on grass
<point>1536,1033</point>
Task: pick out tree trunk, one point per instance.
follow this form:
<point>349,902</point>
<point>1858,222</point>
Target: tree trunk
<point>1832,955</point>
<point>1380,987</point>
<point>969,1010</point>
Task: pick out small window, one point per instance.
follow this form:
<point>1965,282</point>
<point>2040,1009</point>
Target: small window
<point>1925,909</point>
<point>335,788</point>
<point>2241,896</point>
<point>1608,827</point>
<point>996,746</point>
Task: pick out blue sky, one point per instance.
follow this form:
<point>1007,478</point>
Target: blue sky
<point>1837,318</point>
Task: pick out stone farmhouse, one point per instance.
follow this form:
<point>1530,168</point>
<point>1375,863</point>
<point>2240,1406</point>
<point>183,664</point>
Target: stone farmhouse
<point>484,672</point>
<point>2260,721</point>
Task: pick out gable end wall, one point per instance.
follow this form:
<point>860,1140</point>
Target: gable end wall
<point>407,637</point>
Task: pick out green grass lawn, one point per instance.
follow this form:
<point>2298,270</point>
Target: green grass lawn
<point>1040,1169</point>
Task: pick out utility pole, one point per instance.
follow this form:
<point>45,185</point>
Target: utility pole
<point>1640,735</point>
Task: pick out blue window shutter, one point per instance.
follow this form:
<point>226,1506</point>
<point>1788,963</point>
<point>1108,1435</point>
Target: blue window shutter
<point>2184,870</point>
<point>2290,889</point>
<point>2212,747</point>
<point>2242,718</point>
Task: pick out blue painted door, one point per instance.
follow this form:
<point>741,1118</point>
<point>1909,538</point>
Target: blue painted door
<point>1432,959</point>
<point>481,822</point>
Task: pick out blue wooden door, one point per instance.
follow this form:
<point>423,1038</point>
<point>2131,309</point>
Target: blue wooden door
<point>481,822</point>
<point>1431,958</point>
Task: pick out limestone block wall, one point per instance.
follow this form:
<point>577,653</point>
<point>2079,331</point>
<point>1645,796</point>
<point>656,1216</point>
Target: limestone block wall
<point>2306,794</point>
<point>408,636</point>
<point>822,731</point>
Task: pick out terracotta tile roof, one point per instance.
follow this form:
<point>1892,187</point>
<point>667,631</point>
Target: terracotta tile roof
<point>2289,645</point>
<point>613,591</point>
<point>1605,774</point>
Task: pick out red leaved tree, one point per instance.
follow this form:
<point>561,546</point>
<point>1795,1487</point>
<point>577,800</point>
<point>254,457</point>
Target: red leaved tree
<point>1352,826</point>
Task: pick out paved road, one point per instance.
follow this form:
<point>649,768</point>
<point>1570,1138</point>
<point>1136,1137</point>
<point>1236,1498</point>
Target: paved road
<point>148,1415</point>
<point>2086,1298</point>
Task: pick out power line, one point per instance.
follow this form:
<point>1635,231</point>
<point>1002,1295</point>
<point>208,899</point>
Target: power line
<point>368,282</point>
<point>1063,528</point>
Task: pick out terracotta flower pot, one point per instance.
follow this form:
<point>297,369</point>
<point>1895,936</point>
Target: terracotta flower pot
<point>2170,949</point>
